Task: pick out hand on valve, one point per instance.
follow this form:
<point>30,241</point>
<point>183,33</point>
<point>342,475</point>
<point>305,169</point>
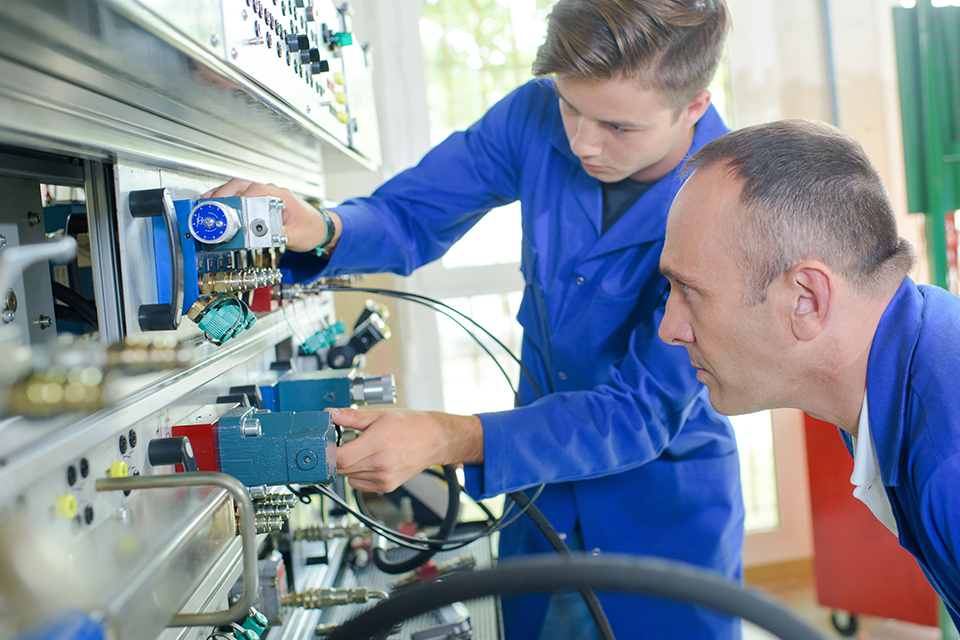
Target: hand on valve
<point>302,223</point>
<point>397,444</point>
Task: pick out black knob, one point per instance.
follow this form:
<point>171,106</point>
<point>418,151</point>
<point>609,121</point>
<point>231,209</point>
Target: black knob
<point>298,42</point>
<point>319,67</point>
<point>164,451</point>
<point>309,56</point>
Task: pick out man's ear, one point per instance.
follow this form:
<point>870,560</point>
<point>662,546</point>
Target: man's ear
<point>811,285</point>
<point>695,110</point>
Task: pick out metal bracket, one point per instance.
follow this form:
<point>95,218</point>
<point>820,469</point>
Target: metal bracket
<point>247,536</point>
<point>14,260</point>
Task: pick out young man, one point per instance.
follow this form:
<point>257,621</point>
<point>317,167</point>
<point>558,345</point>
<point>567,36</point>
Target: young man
<point>635,459</point>
<point>789,288</point>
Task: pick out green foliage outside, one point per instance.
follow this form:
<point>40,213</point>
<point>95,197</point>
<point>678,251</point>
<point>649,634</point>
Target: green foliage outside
<point>476,52</point>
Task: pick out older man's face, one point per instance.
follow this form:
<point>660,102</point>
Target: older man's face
<point>735,348</point>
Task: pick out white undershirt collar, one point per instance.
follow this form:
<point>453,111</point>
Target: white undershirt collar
<point>868,484</point>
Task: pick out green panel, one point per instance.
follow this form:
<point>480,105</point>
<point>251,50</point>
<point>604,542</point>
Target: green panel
<point>947,628</point>
<point>928,64</point>
<point>911,114</point>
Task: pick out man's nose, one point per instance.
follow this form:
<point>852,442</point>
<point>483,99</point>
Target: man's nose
<point>586,141</point>
<point>674,328</point>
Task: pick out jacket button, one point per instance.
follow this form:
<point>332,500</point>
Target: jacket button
<point>562,375</point>
<point>580,280</point>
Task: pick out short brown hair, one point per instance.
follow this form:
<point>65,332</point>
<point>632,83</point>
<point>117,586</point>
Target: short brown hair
<point>671,46</point>
<point>809,191</point>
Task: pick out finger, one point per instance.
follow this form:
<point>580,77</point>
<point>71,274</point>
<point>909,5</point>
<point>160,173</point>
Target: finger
<point>354,418</point>
<point>234,187</point>
<point>355,457</point>
<point>378,486</point>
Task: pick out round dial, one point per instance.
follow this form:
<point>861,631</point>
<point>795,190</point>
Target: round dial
<point>213,222</point>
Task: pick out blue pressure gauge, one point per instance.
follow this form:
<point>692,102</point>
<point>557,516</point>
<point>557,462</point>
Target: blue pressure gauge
<point>213,222</point>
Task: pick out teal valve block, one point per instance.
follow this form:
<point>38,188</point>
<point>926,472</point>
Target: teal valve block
<point>265,448</point>
<point>314,393</point>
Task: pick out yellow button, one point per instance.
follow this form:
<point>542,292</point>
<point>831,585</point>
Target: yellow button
<point>66,506</point>
<point>343,117</point>
<point>341,97</point>
<point>118,470</point>
<point>338,77</point>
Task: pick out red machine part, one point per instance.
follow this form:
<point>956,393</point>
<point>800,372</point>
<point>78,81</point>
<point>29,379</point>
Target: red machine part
<point>859,566</point>
<point>263,300</point>
<point>203,440</point>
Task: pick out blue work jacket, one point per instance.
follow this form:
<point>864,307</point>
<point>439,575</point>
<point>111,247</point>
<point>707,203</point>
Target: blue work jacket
<point>914,405</point>
<point>624,435</point>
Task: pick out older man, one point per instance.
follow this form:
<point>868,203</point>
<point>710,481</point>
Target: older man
<point>789,288</point>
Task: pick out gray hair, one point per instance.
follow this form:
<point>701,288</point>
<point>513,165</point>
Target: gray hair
<point>809,191</point>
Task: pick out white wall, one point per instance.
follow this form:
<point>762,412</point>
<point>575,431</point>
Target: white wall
<point>779,63</point>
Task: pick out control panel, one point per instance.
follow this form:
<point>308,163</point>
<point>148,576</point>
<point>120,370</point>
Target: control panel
<point>162,478</point>
<point>306,51</point>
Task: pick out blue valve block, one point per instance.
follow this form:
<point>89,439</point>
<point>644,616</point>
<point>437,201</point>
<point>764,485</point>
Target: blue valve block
<point>269,217</point>
<point>319,390</point>
<point>263,448</point>
<point>314,392</point>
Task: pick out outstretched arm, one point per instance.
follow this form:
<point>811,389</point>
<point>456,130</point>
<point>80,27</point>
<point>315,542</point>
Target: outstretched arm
<point>304,226</point>
<point>397,444</point>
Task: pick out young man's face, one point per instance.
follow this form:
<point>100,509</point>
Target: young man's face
<point>619,129</point>
<point>738,350</point>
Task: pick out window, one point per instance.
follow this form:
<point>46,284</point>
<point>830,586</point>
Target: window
<point>476,52</point>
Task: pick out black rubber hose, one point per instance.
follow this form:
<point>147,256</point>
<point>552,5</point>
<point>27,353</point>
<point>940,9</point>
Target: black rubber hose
<point>446,528</point>
<point>604,630</point>
<point>647,576</point>
<point>69,314</point>
<point>86,308</point>
<point>486,510</point>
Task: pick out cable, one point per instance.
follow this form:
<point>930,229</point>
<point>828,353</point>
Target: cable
<point>589,596</point>
<point>86,308</point>
<point>423,543</point>
<point>446,528</point>
<point>486,510</point>
<point>647,576</point>
<point>436,305</point>
<point>540,521</point>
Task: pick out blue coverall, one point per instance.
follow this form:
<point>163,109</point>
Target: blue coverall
<point>624,435</point>
<point>914,404</point>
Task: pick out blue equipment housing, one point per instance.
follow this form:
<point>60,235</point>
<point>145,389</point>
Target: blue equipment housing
<point>264,448</point>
